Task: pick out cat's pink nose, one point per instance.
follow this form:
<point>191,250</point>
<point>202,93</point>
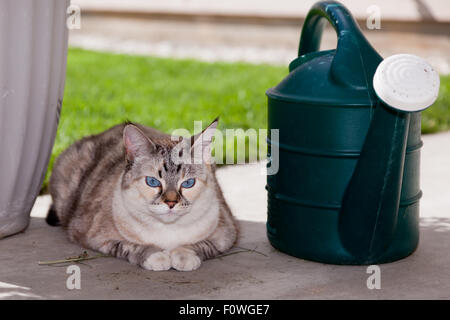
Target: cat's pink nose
<point>171,204</point>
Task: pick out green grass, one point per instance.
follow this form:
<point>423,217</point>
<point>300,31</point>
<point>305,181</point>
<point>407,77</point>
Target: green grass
<point>104,89</point>
<point>437,117</point>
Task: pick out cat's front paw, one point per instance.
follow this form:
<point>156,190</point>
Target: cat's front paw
<point>183,259</point>
<point>158,261</point>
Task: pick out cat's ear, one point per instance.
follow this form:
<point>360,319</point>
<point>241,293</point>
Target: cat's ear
<point>201,143</point>
<point>136,143</point>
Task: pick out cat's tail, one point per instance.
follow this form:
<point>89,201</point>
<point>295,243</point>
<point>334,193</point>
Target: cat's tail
<point>52,218</point>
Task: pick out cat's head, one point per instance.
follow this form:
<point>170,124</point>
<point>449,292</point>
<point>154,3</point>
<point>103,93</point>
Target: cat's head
<point>166,180</point>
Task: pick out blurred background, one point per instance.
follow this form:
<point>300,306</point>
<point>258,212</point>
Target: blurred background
<point>255,31</point>
<point>168,63</point>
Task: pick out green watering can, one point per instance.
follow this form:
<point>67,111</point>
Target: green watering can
<point>347,188</point>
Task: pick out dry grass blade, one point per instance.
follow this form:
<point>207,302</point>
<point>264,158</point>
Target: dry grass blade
<point>78,259</point>
<point>242,251</point>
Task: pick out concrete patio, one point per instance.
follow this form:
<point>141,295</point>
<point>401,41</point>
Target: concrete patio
<point>246,275</point>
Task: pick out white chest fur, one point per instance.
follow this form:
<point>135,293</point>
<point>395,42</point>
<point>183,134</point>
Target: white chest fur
<point>193,227</point>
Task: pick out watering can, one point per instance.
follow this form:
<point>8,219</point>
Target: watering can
<point>347,189</point>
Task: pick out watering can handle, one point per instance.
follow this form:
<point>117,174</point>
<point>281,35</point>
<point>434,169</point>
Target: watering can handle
<point>351,46</point>
<point>340,19</point>
<point>337,15</point>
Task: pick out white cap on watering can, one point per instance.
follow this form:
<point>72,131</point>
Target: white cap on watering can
<point>406,83</point>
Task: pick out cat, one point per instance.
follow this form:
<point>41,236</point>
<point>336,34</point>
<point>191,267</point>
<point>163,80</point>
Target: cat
<point>125,193</point>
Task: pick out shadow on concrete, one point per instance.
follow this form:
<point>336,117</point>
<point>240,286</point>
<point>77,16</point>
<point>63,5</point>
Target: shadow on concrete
<point>266,274</point>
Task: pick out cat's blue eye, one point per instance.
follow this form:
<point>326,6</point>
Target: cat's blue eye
<point>189,183</point>
<point>152,182</point>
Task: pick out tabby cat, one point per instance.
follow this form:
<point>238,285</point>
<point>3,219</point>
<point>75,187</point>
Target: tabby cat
<point>125,192</point>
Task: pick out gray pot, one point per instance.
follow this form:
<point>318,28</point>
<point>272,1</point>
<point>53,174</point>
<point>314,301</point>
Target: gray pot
<point>33,51</point>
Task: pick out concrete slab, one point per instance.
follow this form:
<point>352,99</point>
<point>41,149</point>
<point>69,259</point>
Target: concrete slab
<point>249,275</point>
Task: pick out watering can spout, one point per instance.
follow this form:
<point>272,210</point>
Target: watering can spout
<point>370,207</point>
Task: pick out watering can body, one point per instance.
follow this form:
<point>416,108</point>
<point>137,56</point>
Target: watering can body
<point>326,181</point>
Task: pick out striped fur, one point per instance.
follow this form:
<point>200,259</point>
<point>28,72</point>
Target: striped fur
<point>101,199</point>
